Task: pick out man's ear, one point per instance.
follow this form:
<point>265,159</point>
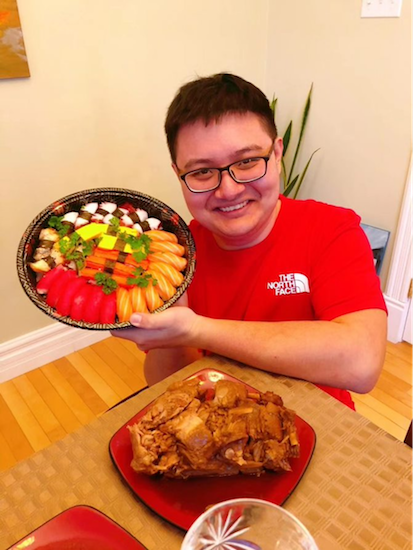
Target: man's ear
<point>278,148</point>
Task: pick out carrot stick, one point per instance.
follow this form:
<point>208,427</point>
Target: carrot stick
<point>174,276</point>
<point>130,260</point>
<point>157,235</point>
<point>114,255</point>
<point>167,257</point>
<point>153,300</point>
<point>118,268</point>
<point>121,280</point>
<point>92,261</point>
<point>108,254</point>
<point>123,304</point>
<point>164,287</point>
<point>89,273</point>
<point>138,301</point>
<point>121,269</point>
<point>167,246</point>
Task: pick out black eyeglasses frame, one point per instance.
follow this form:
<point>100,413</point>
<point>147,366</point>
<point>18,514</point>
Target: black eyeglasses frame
<point>227,168</point>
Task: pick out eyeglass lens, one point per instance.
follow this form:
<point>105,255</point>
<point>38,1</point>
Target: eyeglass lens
<point>243,171</point>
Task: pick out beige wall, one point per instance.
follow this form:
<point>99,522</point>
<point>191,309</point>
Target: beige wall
<point>92,113</point>
<point>361,110</point>
<point>103,74</point>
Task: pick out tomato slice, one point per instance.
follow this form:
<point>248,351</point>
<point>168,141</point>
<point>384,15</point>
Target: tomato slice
<point>79,302</point>
<point>91,313</point>
<point>64,303</point>
<point>108,309</point>
<point>59,283</point>
<point>45,282</point>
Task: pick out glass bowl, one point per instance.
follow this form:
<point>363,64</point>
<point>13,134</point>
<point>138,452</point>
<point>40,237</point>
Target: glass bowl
<point>247,524</point>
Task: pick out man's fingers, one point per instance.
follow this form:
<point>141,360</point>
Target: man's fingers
<point>143,320</point>
<point>165,329</point>
<point>127,333</point>
<point>183,300</point>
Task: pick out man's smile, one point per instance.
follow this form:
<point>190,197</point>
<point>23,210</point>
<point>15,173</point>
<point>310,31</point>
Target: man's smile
<point>238,214</point>
<point>234,207</point>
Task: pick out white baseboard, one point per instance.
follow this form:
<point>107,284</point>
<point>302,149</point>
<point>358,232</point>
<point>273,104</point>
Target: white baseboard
<point>42,346</point>
<point>396,320</point>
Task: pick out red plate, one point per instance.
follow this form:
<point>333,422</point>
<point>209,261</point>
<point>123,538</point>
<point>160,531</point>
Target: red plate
<point>79,528</point>
<point>182,501</point>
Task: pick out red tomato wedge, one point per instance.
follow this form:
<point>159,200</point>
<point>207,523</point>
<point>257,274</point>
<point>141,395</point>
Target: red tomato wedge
<point>108,309</point>
<point>64,303</point>
<point>79,302</point>
<point>58,285</point>
<point>45,282</point>
<point>91,313</point>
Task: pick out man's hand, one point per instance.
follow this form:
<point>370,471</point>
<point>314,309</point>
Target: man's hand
<point>347,352</point>
<point>174,327</point>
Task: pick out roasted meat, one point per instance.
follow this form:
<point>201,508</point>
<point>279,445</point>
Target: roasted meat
<point>226,430</point>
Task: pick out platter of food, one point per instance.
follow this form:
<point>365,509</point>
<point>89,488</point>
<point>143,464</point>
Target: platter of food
<point>92,258</point>
<point>208,439</point>
<point>79,528</point>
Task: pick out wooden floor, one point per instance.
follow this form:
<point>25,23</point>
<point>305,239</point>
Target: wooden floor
<point>389,404</point>
<point>44,405</point>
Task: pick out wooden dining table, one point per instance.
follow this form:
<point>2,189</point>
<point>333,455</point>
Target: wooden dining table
<point>356,492</point>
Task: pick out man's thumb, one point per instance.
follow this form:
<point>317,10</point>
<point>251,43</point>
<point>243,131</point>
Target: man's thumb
<point>140,320</point>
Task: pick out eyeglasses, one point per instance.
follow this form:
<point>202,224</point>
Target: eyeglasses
<point>246,170</point>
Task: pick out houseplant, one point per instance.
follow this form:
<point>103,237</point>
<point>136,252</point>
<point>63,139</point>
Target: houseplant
<point>292,183</point>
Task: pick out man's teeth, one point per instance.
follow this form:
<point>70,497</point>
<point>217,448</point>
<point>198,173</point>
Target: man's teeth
<point>235,207</point>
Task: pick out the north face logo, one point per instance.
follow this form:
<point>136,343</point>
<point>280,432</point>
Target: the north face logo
<point>292,283</point>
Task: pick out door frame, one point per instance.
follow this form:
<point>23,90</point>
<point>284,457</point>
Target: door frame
<point>400,274</point>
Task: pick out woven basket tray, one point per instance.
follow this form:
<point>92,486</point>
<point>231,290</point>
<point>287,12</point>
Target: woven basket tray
<point>171,222</point>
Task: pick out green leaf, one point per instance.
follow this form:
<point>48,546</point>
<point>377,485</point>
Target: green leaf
<point>287,136</point>
<point>304,173</point>
<point>140,246</point>
<point>108,284</point>
<point>115,222</point>
<point>76,249</point>
<point>273,104</point>
<point>290,186</point>
<point>140,278</point>
<point>283,171</point>
<point>303,125</point>
<point>56,223</point>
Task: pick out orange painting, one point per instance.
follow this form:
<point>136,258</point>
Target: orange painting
<point>13,60</point>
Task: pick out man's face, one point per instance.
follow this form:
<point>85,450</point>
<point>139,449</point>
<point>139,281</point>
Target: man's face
<point>239,215</point>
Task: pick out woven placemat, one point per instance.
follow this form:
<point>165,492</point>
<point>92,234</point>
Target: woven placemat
<point>355,494</point>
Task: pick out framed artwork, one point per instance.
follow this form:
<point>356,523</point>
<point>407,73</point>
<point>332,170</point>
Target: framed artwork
<point>13,60</point>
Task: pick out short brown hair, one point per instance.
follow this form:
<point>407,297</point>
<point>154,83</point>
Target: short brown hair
<point>210,98</point>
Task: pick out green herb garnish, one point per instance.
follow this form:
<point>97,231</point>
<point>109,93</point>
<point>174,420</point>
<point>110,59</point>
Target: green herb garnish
<point>140,246</point>
<point>108,284</point>
<point>76,249</point>
<point>140,278</point>
<point>56,223</point>
<point>115,222</point>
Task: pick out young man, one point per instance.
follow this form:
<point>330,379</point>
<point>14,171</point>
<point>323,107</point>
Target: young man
<point>281,285</point>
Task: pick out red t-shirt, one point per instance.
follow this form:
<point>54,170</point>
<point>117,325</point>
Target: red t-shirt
<point>316,264</point>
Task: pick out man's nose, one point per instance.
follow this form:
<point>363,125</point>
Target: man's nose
<point>228,188</point>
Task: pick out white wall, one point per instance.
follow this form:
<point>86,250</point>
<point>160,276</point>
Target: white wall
<point>92,113</point>
<point>361,110</point>
<point>104,73</point>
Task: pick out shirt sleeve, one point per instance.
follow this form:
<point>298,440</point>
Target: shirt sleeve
<point>343,277</point>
